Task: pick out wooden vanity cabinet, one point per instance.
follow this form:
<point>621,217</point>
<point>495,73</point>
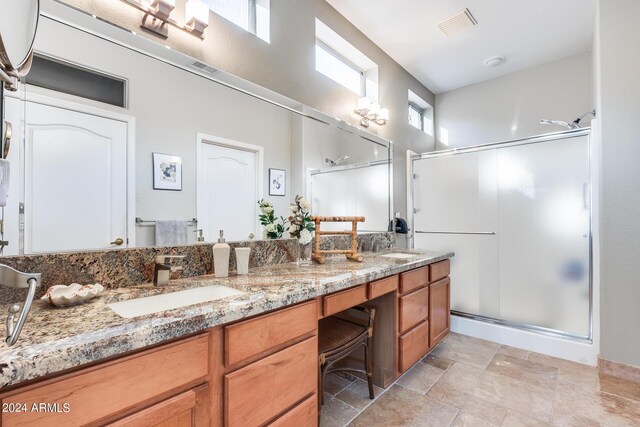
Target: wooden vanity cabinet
<point>423,312</point>
<point>167,382</point>
<point>265,369</point>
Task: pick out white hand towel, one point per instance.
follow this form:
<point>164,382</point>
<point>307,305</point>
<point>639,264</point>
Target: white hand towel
<point>171,233</point>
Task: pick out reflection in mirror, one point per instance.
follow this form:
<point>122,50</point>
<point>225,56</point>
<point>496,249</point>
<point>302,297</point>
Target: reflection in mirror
<point>113,159</point>
<point>18,23</point>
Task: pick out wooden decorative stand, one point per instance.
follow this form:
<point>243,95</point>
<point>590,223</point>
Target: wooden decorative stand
<point>352,254</point>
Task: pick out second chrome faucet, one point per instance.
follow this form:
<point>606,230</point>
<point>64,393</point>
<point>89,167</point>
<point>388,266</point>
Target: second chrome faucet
<point>165,265</point>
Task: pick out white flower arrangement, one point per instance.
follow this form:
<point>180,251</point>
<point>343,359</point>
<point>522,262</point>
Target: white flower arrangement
<point>301,221</point>
<point>273,227</point>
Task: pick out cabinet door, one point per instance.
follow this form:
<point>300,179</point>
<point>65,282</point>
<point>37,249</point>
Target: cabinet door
<point>188,409</point>
<point>412,346</point>
<point>439,311</point>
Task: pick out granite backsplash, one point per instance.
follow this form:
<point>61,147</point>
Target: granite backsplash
<point>125,267</point>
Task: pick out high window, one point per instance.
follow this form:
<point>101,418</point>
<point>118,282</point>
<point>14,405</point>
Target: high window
<point>339,60</point>
<point>251,15</point>
<point>420,114</point>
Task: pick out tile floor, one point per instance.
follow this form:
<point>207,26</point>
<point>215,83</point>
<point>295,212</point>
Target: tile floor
<point>465,381</point>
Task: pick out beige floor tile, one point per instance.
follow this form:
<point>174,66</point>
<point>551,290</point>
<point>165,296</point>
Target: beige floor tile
<point>471,420</point>
<point>605,408</point>
<point>402,407</point>
<point>564,418</point>
<point>438,362</point>
<point>421,377</point>
<point>561,364</point>
<point>513,352</point>
<point>357,394</point>
<point>516,419</point>
<point>517,395</point>
<point>457,388</point>
<point>334,384</point>
<point>336,413</point>
<point>524,370</point>
<point>469,350</point>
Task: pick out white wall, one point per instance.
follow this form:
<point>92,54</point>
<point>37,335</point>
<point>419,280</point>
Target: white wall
<point>617,69</point>
<point>511,106</point>
<point>171,107</point>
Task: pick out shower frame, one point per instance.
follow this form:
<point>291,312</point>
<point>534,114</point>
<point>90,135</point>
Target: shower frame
<point>549,137</point>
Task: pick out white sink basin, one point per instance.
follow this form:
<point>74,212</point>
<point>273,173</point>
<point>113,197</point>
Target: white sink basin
<point>157,303</point>
<point>399,256</point>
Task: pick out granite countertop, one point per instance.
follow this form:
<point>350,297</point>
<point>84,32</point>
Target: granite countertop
<point>56,339</point>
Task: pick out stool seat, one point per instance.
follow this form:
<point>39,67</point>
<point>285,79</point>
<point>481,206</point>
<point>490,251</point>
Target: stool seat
<point>338,338</point>
<point>334,333</point>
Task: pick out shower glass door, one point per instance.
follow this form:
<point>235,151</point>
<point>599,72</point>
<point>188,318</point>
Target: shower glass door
<point>518,218</point>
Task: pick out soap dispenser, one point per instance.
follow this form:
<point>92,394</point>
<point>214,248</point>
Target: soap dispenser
<point>221,253</point>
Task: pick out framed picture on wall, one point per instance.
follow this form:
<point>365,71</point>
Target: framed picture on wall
<point>167,172</point>
<point>277,182</point>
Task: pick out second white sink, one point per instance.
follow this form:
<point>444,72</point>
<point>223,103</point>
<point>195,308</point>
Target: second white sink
<point>169,301</point>
<point>399,256</point>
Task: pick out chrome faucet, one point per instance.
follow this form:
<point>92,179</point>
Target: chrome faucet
<point>13,278</point>
<point>165,265</point>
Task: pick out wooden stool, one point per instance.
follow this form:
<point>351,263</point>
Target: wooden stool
<point>337,338</point>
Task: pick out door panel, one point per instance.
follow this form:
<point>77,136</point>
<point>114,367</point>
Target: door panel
<point>229,191</point>
<point>75,180</point>
<point>544,234</point>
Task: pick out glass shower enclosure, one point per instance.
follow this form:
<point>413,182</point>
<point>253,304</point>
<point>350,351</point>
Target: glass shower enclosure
<point>518,217</point>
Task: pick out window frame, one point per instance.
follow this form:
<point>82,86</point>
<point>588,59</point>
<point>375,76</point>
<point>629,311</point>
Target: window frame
<point>345,61</point>
<point>419,110</point>
<point>252,18</point>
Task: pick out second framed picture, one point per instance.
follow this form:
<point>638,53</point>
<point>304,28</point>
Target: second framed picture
<point>167,172</point>
<point>277,182</point>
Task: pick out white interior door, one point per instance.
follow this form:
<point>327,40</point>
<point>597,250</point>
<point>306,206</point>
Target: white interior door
<point>75,180</point>
<point>228,192</point>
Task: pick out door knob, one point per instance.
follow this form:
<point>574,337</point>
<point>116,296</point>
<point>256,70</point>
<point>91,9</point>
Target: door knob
<point>117,242</point>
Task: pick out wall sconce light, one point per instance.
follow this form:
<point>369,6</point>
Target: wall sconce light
<point>371,112</point>
<point>197,16</point>
<point>157,14</point>
<point>162,8</point>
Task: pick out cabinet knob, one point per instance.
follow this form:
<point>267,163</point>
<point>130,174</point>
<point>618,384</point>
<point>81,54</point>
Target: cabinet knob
<point>117,242</point>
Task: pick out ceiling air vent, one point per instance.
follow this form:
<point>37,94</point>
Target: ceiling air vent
<point>204,67</point>
<point>457,22</point>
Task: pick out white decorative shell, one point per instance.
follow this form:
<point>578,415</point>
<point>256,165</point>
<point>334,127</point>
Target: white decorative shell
<point>62,296</point>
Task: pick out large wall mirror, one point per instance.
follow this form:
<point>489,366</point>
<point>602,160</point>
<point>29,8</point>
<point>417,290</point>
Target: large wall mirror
<point>105,149</point>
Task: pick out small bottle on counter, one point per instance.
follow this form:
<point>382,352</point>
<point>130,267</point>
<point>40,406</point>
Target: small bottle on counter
<point>221,253</point>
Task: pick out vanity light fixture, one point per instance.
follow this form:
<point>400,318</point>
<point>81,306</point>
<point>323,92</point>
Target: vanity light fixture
<point>157,16</point>
<point>371,112</point>
<point>162,8</point>
<point>197,16</point>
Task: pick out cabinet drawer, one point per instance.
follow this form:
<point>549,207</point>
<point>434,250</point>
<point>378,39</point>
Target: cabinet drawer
<point>413,279</point>
<point>343,300</point>
<point>96,393</point>
<point>262,390</point>
<point>413,345</point>
<point>439,270</point>
<point>414,308</point>
<point>252,337</point>
<point>383,286</point>
<point>186,409</point>
<point>305,414</point>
